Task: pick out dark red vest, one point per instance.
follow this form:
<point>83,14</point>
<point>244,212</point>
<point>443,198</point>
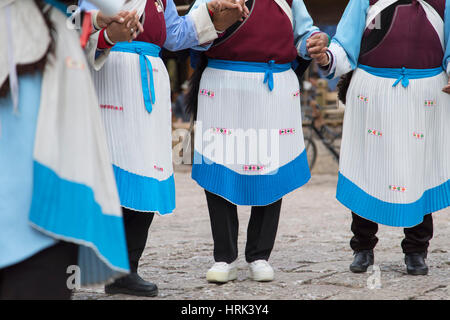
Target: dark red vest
<point>154,24</point>
<point>409,41</point>
<point>267,35</point>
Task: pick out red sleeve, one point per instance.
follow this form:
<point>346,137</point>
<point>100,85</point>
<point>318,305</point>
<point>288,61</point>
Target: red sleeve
<point>102,43</point>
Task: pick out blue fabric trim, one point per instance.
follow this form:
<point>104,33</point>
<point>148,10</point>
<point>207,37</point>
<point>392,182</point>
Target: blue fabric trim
<point>250,190</point>
<point>392,214</point>
<point>258,67</point>
<point>403,74</point>
<point>138,47</point>
<point>60,6</point>
<point>18,240</point>
<point>143,49</point>
<point>86,6</point>
<point>68,210</point>
<point>146,194</point>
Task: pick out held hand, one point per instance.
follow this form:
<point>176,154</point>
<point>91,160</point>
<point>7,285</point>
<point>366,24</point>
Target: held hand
<point>219,5</point>
<point>126,31</point>
<point>229,13</point>
<point>104,21</point>
<point>135,25</point>
<point>321,59</point>
<point>317,44</point>
<point>447,87</point>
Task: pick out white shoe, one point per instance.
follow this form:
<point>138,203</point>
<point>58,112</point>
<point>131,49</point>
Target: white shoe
<point>222,272</point>
<point>260,270</point>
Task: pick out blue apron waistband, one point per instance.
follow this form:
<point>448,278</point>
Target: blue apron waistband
<point>143,49</point>
<point>402,75</point>
<point>258,67</point>
<point>138,47</point>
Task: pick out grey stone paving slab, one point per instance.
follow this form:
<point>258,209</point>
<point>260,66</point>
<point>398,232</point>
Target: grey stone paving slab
<point>311,255</point>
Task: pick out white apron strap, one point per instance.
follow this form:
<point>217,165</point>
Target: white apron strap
<point>376,9</point>
<point>287,9</point>
<point>138,5</point>
<point>435,20</point>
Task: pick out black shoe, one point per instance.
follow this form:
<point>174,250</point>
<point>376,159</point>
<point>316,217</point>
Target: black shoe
<point>363,259</point>
<point>415,264</point>
<point>134,285</point>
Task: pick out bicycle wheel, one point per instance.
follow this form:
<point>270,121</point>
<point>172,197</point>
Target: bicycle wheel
<point>311,152</point>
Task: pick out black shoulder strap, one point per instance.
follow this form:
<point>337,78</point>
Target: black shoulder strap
<point>235,27</point>
<point>378,34</point>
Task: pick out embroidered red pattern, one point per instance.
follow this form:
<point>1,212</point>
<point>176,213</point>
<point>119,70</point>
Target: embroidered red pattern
<point>111,107</point>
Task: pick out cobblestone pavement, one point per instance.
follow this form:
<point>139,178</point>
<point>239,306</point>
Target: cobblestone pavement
<point>311,255</point>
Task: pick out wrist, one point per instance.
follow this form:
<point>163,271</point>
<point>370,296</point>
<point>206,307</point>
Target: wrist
<point>108,38</point>
<point>328,61</point>
<point>329,39</point>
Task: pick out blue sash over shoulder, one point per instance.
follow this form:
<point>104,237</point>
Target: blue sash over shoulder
<point>402,74</point>
<point>260,67</point>
<point>143,49</point>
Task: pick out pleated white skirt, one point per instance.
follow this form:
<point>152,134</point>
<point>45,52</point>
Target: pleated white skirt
<point>249,145</point>
<point>140,143</point>
<point>395,154</point>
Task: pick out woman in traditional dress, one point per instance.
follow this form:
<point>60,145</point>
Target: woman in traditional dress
<point>249,147</point>
<point>134,93</point>
<point>395,154</point>
<point>59,206</point>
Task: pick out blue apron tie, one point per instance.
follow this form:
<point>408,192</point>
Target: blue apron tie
<point>268,76</point>
<point>403,78</point>
<point>402,75</point>
<point>149,97</point>
<point>143,49</point>
<point>258,67</point>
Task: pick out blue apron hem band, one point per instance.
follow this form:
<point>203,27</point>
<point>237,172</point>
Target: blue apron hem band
<point>52,212</point>
<point>251,190</point>
<point>392,214</point>
<point>145,194</point>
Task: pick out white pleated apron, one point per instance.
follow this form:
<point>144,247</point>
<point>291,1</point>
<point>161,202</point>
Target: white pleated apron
<point>395,154</point>
<point>249,145</point>
<point>139,133</point>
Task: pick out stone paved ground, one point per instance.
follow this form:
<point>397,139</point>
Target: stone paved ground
<point>311,255</point>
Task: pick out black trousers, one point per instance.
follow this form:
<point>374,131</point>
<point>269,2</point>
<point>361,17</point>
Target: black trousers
<point>137,225</point>
<point>40,277</point>
<point>417,239</point>
<point>261,231</point>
